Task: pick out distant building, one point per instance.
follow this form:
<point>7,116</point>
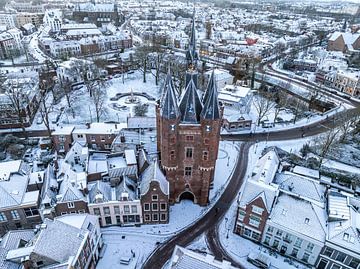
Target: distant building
<point>98,13</point>
<point>345,42</point>
<point>53,19</point>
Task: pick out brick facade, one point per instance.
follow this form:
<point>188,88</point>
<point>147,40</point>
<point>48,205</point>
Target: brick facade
<point>254,230</point>
<point>155,205</point>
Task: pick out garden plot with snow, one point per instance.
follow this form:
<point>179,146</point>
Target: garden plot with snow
<point>142,240</point>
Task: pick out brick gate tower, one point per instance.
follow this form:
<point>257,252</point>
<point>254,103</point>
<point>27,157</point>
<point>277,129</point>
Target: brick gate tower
<point>188,134</point>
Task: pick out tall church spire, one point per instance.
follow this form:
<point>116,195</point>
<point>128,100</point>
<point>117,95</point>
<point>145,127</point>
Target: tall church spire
<point>211,109</point>
<point>191,54</point>
<point>169,107</point>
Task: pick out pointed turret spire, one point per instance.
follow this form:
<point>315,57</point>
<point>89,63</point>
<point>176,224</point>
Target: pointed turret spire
<point>210,84</point>
<point>190,104</point>
<point>169,107</point>
<point>211,109</point>
<point>191,54</point>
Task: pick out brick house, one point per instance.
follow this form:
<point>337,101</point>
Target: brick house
<point>62,139</point>
<point>154,195</point>
<point>18,207</point>
<point>257,198</point>
<point>188,134</point>
<point>253,214</point>
<point>70,200</point>
<point>344,42</point>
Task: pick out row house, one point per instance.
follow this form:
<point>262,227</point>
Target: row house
<point>257,198</point>
<point>113,186</point>
<point>284,211</point>
<point>8,19</point>
<point>115,203</point>
<point>18,207</point>
<point>66,48</point>
<point>48,247</point>
<point>348,81</point>
<point>140,132</point>
<point>99,136</point>
<point>25,18</point>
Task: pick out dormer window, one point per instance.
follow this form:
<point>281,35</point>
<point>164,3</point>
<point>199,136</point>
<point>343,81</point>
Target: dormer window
<point>307,220</point>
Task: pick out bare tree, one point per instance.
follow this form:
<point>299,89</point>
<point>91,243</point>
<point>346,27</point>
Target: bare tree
<point>263,104</point>
<point>326,142</point>
<point>142,54</point>
<point>18,101</point>
<point>98,98</point>
<point>349,120</point>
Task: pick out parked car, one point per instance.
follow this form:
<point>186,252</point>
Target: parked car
<point>259,259</point>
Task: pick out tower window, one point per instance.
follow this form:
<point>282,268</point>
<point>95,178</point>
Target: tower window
<point>206,141</point>
<point>208,128</point>
<point>188,171</point>
<point>205,155</point>
<point>189,138</point>
<point>172,140</point>
<point>172,155</point>
<point>189,152</point>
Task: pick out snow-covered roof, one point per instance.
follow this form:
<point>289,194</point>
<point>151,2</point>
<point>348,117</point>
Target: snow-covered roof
<point>11,240</point>
<point>183,258</point>
<point>305,188</point>
<point>141,122</point>
<point>306,172</point>
<point>13,192</point>
<point>153,173</point>
<point>130,157</point>
<point>254,190</point>
<point>349,38</point>
<point>338,206</point>
<point>101,128</point>
<point>56,241</point>
<point>6,168</point>
<point>346,233</point>
<point>299,216</point>
<point>63,130</point>
<point>266,167</point>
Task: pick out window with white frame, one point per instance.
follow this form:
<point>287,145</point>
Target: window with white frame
<point>257,210</point>
<point>70,205</point>
<point>241,215</point>
<point>133,209</point>
<point>254,221</point>
<point>15,214</point>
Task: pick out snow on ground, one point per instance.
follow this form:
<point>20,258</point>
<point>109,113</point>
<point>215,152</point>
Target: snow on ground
<point>183,214</point>
<point>237,246</point>
<point>286,126</point>
<point>341,166</point>
<point>135,247</point>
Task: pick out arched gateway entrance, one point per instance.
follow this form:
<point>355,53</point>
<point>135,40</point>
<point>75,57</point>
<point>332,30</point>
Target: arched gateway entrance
<point>187,195</point>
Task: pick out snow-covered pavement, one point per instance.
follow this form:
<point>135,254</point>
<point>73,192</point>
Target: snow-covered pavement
<point>143,239</point>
